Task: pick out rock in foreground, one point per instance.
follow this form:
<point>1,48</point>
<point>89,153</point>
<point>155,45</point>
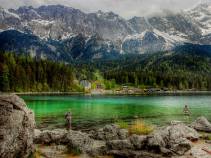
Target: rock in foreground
<point>110,132</point>
<point>202,124</point>
<point>75,140</point>
<point>168,141</point>
<point>174,139</point>
<point>16,127</point>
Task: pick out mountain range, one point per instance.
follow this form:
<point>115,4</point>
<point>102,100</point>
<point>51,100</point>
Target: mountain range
<point>63,33</point>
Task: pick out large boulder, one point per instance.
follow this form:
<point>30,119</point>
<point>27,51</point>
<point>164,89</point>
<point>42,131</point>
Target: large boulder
<point>175,138</point>
<point>16,127</point>
<point>79,141</point>
<point>138,142</point>
<point>119,145</point>
<point>98,148</point>
<point>202,124</point>
<point>75,140</point>
<point>57,136</point>
<point>110,132</point>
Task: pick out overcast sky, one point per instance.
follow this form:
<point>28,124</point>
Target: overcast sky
<point>125,8</point>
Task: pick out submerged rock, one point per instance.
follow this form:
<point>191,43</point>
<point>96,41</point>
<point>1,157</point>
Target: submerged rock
<point>202,124</point>
<point>16,127</point>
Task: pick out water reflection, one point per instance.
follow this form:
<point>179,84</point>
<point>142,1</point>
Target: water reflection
<point>99,110</point>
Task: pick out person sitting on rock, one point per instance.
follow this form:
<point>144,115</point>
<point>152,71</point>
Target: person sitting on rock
<point>186,110</point>
<point>68,120</point>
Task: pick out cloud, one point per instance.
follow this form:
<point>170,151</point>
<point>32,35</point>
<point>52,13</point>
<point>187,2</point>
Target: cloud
<point>125,8</point>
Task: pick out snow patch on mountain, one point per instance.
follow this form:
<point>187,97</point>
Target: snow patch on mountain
<point>7,14</point>
<point>114,33</point>
<point>43,22</point>
<point>171,38</point>
<point>201,14</point>
<point>151,41</point>
<point>68,35</point>
<point>12,14</point>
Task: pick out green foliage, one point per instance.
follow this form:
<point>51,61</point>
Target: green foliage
<point>169,70</point>
<point>4,77</point>
<point>138,127</point>
<point>205,136</point>
<point>175,71</point>
<point>122,124</point>
<point>19,74</point>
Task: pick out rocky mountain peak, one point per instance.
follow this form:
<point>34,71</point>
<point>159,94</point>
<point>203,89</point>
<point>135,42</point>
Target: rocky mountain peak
<point>104,32</point>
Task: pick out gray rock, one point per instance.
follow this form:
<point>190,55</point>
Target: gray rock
<point>16,127</point>
<point>168,141</point>
<point>57,136</point>
<point>79,141</point>
<point>180,146</point>
<point>37,134</point>
<point>138,142</point>
<point>174,138</point>
<point>98,148</point>
<point>156,141</point>
<point>202,124</point>
<point>75,140</point>
<point>110,132</point>
<point>182,131</point>
<point>123,133</point>
<point>119,145</point>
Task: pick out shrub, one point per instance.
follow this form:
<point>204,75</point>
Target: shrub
<point>139,127</point>
<point>205,136</point>
<point>122,124</point>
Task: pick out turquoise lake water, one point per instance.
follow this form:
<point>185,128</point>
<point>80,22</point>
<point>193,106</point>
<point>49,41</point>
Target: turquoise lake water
<point>94,111</point>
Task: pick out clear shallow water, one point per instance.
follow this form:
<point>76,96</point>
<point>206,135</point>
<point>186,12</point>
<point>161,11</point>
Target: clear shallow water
<point>94,111</point>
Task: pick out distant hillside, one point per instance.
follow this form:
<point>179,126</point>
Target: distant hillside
<point>175,70</point>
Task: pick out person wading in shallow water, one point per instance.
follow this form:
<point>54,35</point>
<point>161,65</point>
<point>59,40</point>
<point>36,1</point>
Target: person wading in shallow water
<point>68,118</point>
<point>186,110</point>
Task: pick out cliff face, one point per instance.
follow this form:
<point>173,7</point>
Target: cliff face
<point>16,127</point>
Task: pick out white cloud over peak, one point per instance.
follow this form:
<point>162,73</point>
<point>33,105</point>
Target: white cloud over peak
<point>125,8</point>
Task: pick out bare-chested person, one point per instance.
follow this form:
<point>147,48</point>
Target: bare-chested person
<point>68,118</point>
<point>186,110</point>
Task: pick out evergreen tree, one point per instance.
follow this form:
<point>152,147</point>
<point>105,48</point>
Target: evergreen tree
<point>4,78</point>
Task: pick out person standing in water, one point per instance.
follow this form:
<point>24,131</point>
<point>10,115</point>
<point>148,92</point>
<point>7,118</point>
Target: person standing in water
<point>68,118</point>
<point>186,110</point>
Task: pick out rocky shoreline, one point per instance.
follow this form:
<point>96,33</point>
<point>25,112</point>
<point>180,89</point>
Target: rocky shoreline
<point>112,92</point>
<point>19,138</point>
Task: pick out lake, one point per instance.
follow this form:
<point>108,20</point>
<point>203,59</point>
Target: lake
<point>93,111</point>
